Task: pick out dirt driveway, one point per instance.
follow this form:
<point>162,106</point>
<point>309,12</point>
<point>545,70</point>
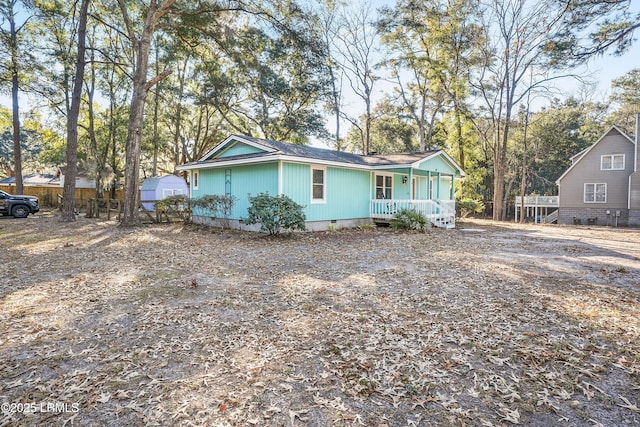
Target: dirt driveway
<point>487,325</point>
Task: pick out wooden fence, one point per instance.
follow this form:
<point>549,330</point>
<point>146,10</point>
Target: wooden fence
<point>51,197</point>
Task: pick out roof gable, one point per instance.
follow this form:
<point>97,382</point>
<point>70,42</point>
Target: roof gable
<point>236,145</point>
<point>441,160</point>
<point>612,131</point>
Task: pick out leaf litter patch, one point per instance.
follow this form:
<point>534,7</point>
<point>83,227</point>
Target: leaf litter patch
<point>174,325</point>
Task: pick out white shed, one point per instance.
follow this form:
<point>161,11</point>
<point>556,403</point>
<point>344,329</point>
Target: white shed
<point>159,187</point>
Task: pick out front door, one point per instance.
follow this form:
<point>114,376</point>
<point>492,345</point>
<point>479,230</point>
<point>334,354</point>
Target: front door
<point>413,188</point>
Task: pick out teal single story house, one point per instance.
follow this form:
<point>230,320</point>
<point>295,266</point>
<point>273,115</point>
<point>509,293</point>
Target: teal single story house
<point>336,188</point>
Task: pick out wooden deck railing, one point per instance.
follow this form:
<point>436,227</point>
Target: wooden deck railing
<point>434,210</point>
<point>540,201</point>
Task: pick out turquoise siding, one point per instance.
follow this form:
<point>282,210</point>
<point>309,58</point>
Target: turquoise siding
<point>422,188</point>
<point>238,149</point>
<point>245,180</point>
<point>435,165</point>
<point>346,192</point>
<point>400,190</point>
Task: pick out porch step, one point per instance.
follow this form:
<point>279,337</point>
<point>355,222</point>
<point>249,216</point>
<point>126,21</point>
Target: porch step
<point>552,217</point>
<point>443,222</point>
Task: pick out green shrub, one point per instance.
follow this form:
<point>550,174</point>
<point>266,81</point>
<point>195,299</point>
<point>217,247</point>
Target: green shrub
<point>275,213</point>
<point>175,206</point>
<point>219,207</point>
<point>408,219</point>
<point>469,206</point>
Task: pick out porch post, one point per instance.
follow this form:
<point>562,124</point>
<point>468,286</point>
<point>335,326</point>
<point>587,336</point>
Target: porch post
<point>410,184</point>
<point>452,196</point>
<point>428,185</point>
<point>438,186</point>
<point>280,177</point>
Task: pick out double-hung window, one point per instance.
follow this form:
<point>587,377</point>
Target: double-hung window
<point>384,185</point>
<point>318,185</point>
<point>195,176</point>
<point>595,193</point>
<point>612,162</point>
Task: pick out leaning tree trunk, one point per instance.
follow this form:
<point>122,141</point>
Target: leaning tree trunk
<point>68,193</point>
<point>142,48</point>
<point>134,137</point>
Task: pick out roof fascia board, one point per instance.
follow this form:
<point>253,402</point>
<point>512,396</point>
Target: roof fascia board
<point>278,157</point>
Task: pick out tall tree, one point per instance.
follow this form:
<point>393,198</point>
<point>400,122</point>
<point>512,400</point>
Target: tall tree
<point>592,27</point>
<point>328,22</point>
<point>436,43</point>
<point>625,99</point>
<point>516,62</point>
<point>141,47</point>
<point>69,198</point>
<point>357,46</point>
<point>10,35</point>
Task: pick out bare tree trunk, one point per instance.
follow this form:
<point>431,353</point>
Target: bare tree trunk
<point>99,159</point>
<point>142,48</point>
<point>69,199</point>
<point>523,177</point>
<point>156,105</point>
<point>15,88</point>
<point>134,136</point>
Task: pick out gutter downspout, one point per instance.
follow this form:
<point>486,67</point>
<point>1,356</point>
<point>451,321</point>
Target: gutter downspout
<point>635,160</point>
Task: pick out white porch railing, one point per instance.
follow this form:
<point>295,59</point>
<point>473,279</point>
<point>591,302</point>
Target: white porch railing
<point>541,201</point>
<point>537,207</point>
<point>441,213</point>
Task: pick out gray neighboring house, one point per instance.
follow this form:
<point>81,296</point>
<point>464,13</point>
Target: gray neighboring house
<point>602,185</point>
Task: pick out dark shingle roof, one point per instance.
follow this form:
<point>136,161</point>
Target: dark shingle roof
<point>336,156</point>
<point>309,152</point>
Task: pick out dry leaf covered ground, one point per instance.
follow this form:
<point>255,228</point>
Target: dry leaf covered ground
<point>487,325</point>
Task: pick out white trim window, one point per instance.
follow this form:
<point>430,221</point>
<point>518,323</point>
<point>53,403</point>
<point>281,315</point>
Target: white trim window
<point>612,162</point>
<point>195,178</point>
<point>595,193</point>
<point>318,185</point>
<point>384,186</point>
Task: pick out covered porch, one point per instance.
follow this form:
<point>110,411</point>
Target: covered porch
<point>423,184</point>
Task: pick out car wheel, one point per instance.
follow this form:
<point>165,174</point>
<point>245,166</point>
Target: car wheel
<point>20,211</point>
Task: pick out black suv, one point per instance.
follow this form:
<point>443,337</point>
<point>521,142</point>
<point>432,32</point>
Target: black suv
<point>18,206</point>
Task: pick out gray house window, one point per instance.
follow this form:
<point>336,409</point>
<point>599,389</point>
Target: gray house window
<point>612,162</point>
<point>595,193</point>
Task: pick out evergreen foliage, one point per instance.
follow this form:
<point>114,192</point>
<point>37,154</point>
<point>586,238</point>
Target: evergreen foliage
<point>216,206</point>
<point>275,213</point>
<point>175,206</point>
<point>408,219</point>
<point>468,206</point>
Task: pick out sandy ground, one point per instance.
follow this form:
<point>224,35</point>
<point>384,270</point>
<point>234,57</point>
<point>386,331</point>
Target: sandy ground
<point>490,324</point>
